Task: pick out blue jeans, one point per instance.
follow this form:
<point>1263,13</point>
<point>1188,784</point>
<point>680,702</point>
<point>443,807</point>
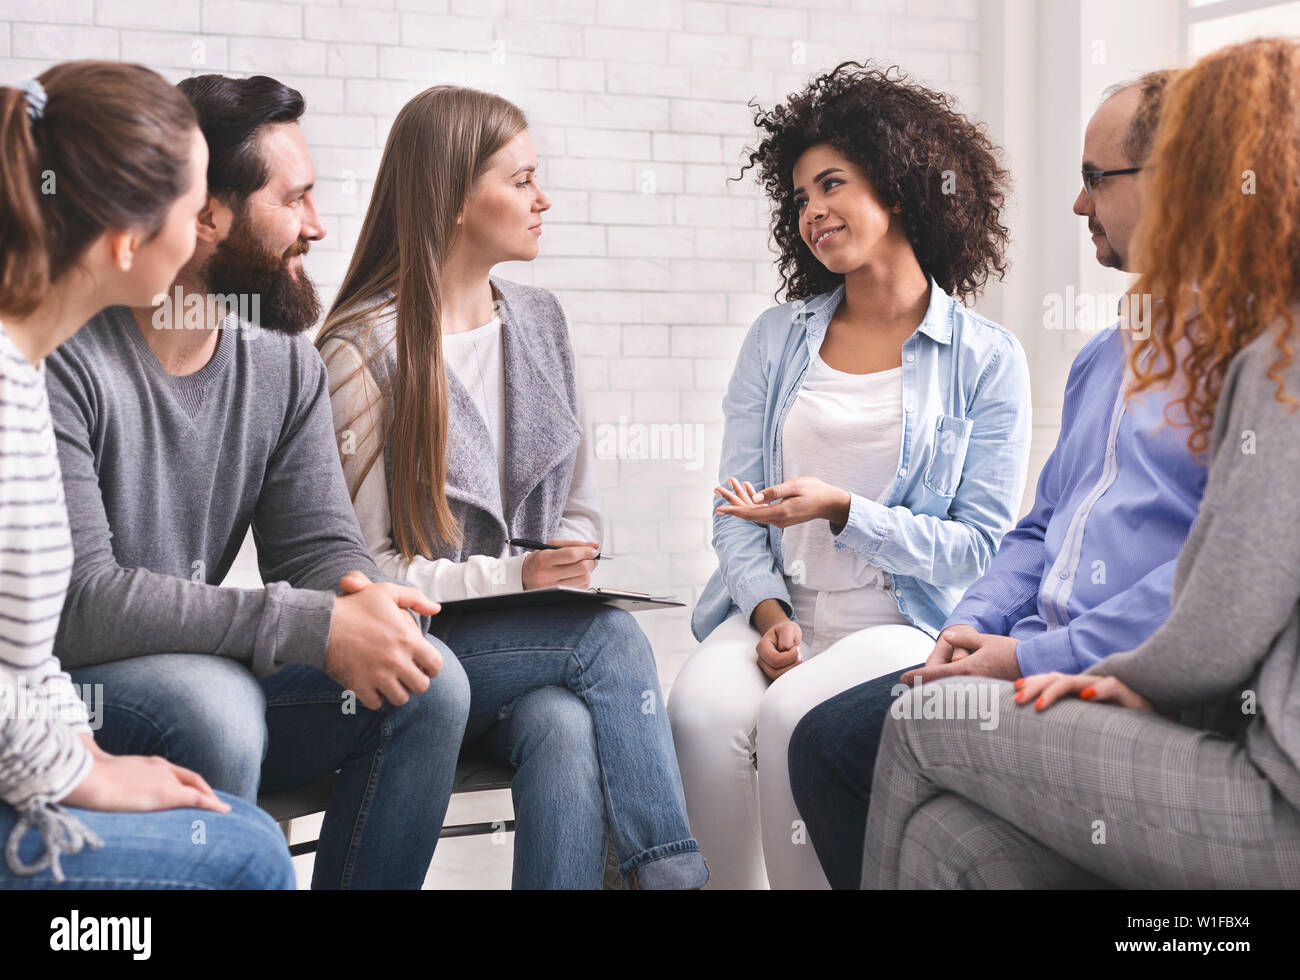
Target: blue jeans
<point>240,733</point>
<point>163,849</point>
<point>832,760</point>
<point>569,695</point>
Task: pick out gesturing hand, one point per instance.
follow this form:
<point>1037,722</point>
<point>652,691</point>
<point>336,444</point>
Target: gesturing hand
<point>1045,690</point>
<point>778,649</point>
<point>805,498</point>
<point>961,650</point>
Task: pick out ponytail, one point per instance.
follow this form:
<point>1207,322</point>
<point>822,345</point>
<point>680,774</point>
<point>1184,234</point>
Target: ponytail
<point>24,265</point>
<point>110,151</point>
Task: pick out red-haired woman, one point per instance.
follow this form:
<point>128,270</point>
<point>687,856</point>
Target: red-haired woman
<point>1179,765</point>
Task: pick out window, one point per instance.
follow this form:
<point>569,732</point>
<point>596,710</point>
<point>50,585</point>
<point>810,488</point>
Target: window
<point>1210,24</point>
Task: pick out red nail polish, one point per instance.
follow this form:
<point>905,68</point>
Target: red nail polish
<point>1020,682</point>
<point>1040,704</point>
<point>1088,693</point>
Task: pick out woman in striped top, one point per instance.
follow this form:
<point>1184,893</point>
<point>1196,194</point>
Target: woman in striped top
<point>102,172</point>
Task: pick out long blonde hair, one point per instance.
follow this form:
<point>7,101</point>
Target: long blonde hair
<point>439,145</point>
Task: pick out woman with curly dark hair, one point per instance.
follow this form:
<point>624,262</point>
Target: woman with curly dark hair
<point>875,447</point>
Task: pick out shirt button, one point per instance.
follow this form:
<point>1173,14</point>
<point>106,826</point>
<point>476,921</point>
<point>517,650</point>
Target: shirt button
<point>898,592</point>
<point>911,358</point>
<point>903,471</point>
<point>1063,575</point>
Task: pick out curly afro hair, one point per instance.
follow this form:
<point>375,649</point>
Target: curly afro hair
<point>920,154</point>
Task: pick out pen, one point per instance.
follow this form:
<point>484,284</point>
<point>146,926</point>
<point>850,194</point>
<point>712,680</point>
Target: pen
<point>541,546</point>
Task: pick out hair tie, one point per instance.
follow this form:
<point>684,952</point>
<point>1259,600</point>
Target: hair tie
<point>36,99</point>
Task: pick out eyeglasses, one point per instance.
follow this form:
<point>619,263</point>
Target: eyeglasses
<point>1091,178</point>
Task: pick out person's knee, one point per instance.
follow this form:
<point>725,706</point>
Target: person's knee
<point>815,754</point>
<point>213,717</point>
<point>701,712</point>
<point>783,706</point>
<point>949,708</point>
<point>443,707</point>
<point>617,624</point>
<point>621,644</point>
<point>451,687</point>
<point>939,851</point>
<point>180,705</point>
<point>554,724</point>
<point>260,855</point>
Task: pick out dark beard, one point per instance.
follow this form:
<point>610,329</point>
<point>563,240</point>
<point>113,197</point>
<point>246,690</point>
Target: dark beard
<point>241,265</point>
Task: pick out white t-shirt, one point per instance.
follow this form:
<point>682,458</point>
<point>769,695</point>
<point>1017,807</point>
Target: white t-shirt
<point>846,429</point>
<point>477,360</point>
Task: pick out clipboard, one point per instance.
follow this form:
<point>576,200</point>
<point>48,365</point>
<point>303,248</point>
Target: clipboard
<point>558,595</point>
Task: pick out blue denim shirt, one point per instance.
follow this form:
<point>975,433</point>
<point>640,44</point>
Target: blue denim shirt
<point>1089,571</point>
<point>961,465</point>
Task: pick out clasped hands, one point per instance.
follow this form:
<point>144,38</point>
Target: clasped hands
<point>963,650</point>
<point>375,648</point>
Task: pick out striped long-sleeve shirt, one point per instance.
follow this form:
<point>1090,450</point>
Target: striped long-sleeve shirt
<point>42,757</point>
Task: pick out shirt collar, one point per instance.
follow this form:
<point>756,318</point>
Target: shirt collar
<point>937,323</point>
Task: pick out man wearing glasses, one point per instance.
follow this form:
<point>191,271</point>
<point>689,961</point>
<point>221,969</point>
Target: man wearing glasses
<point>1088,572</point>
<point>1116,142</point>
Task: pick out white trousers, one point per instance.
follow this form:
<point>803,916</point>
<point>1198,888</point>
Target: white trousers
<point>724,711</point>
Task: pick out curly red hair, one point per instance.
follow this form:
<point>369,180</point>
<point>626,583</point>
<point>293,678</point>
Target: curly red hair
<point>1219,241</point>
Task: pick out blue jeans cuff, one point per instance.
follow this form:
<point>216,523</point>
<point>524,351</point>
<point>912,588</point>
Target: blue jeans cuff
<point>669,866</point>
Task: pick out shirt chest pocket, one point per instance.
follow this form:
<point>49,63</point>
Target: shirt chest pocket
<point>951,440</point>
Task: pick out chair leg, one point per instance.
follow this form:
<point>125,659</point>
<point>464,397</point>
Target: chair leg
<point>612,880</point>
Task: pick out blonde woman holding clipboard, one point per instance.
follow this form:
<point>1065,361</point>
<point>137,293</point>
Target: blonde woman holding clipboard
<point>460,418</point>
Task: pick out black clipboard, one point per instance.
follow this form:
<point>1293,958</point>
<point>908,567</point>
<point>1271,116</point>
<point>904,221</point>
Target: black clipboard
<point>558,595</point>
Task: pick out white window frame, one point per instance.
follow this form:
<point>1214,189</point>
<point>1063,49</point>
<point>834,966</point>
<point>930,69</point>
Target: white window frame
<point>1190,14</point>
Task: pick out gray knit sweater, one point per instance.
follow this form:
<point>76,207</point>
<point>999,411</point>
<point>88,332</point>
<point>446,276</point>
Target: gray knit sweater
<point>164,476</point>
<point>1228,657</point>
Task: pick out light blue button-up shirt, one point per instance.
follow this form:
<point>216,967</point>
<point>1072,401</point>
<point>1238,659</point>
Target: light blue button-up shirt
<point>960,473</point>
<point>1088,572</point>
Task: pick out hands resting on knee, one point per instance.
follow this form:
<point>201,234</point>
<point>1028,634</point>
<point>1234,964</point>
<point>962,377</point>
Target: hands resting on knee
<point>963,650</point>
<point>140,784</point>
<point>376,647</point>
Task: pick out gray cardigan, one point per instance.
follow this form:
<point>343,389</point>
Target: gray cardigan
<point>542,431</point>
<point>1228,658</point>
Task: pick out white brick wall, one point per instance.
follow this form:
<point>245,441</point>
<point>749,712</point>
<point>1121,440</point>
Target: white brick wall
<point>639,114</point>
